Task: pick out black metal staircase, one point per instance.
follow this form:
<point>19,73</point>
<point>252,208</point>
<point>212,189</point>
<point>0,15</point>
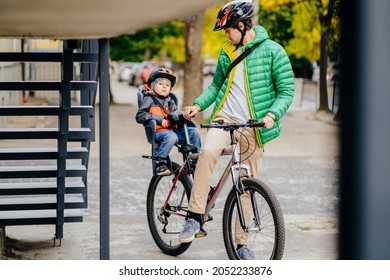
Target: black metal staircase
<point>43,183</point>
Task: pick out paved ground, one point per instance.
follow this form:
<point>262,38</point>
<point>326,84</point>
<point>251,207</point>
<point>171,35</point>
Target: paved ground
<point>301,166</point>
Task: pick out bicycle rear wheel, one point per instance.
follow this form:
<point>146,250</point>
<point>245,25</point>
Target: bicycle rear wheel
<point>267,239</point>
<point>165,224</point>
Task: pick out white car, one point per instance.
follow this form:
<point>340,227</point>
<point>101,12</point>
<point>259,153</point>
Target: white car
<point>125,71</point>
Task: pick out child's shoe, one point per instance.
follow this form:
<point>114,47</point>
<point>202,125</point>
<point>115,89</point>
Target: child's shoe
<point>162,170</point>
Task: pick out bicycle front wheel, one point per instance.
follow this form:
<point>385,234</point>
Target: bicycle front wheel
<point>166,218</point>
<point>266,234</point>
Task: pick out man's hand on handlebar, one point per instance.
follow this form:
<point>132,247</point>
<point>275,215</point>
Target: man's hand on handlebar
<point>268,122</point>
<point>190,111</point>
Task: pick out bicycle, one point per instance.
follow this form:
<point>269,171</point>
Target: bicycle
<point>168,197</point>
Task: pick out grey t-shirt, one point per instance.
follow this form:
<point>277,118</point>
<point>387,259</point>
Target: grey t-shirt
<point>236,104</point>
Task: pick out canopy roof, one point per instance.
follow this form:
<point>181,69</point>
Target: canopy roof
<point>88,19</point>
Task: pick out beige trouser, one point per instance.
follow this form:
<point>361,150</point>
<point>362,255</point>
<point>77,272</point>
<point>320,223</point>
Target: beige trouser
<point>215,141</point>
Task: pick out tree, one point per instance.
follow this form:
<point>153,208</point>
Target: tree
<point>193,76</point>
<point>325,17</point>
<point>212,40</point>
<point>147,43</point>
<point>294,31</point>
<point>313,24</point>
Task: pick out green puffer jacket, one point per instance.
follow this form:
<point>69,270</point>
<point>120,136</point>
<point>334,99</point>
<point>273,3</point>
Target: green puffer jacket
<point>269,82</point>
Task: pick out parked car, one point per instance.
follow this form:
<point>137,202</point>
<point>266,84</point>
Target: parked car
<point>134,76</point>
<point>141,72</point>
<point>125,71</point>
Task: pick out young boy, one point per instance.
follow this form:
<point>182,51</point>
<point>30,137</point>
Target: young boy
<point>156,105</point>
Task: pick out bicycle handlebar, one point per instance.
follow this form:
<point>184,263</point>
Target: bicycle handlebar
<point>232,126</point>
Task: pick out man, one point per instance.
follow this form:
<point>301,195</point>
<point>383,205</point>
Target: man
<point>261,87</point>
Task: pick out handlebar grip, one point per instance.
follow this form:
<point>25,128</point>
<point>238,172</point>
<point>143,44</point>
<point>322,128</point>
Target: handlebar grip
<point>258,124</point>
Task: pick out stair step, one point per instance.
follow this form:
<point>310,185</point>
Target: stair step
<point>8,172</point>
<point>47,85</point>
<point>75,134</point>
<point>41,153</point>
<point>28,188</point>
<point>43,110</point>
<point>39,202</point>
<point>45,56</point>
<point>38,217</point>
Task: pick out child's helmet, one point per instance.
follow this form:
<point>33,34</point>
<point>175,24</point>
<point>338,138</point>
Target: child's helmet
<point>232,13</point>
<point>162,73</point>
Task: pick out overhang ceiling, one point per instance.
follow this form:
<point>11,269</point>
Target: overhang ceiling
<point>88,19</point>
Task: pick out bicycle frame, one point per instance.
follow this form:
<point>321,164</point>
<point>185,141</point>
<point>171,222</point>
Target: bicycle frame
<point>235,168</point>
<point>182,167</point>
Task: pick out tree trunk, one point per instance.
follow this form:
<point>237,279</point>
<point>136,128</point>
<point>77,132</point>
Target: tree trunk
<point>193,75</point>
<point>147,54</point>
<point>325,22</point>
<point>324,105</point>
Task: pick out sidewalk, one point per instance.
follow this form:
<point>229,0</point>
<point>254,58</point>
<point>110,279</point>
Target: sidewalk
<point>301,166</point>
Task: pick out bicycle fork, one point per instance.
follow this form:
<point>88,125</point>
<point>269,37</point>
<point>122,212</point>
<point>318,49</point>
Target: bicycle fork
<point>239,191</point>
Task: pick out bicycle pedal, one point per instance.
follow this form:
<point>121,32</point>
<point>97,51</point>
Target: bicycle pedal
<point>201,233</point>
